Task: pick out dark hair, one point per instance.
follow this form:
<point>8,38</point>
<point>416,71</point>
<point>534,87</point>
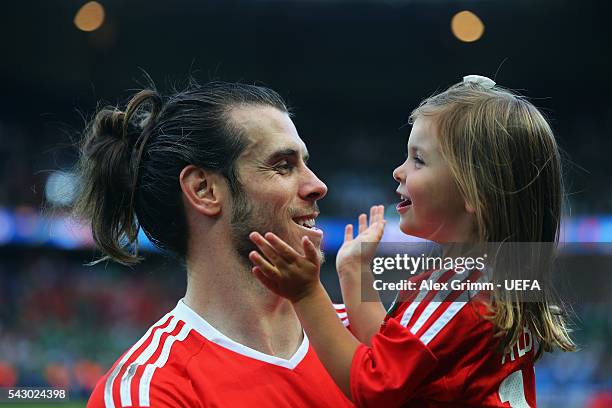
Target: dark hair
<point>130,162</point>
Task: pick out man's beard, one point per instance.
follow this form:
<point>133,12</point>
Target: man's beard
<point>245,219</point>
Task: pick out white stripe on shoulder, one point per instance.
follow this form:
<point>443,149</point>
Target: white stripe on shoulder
<point>130,371</point>
<point>449,313</point>
<point>339,306</point>
<point>434,277</point>
<point>433,305</point>
<point>147,376</point>
<point>108,386</point>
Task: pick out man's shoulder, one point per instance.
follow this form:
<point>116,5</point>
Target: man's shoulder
<point>165,389</point>
<point>153,368</point>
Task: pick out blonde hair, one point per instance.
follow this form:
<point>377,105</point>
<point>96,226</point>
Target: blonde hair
<point>506,163</point>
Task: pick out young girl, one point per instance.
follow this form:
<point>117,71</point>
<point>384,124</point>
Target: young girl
<point>482,166</point>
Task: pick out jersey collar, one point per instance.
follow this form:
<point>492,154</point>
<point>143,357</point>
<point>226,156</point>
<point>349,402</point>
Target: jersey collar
<point>185,313</point>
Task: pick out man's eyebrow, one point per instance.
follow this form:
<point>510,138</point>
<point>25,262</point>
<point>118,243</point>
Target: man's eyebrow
<point>284,153</point>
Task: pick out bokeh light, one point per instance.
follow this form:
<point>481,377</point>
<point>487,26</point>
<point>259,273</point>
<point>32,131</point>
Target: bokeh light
<point>60,188</point>
<point>89,17</point>
<point>467,26</point>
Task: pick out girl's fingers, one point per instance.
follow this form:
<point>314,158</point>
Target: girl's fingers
<point>263,278</point>
<point>380,229</point>
<point>264,246</point>
<point>373,214</point>
<point>377,215</point>
<point>282,248</point>
<point>310,251</point>
<point>363,223</point>
<point>379,212</point>
<point>266,267</point>
<point>348,232</point>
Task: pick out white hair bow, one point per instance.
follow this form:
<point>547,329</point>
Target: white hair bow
<point>483,81</point>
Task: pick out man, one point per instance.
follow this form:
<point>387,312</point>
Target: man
<point>199,171</point>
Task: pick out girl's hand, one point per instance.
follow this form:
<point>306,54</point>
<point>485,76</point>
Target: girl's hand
<point>282,269</point>
<point>352,255</point>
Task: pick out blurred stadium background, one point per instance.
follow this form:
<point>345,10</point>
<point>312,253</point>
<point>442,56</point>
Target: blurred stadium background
<point>352,70</point>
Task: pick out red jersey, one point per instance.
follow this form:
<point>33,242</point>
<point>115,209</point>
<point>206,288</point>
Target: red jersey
<point>436,350</point>
<point>182,361</point>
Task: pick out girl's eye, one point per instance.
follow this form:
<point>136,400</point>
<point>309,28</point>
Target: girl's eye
<point>416,158</point>
<point>418,161</point>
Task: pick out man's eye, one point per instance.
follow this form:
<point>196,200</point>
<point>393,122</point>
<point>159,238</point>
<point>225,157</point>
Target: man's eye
<point>284,166</point>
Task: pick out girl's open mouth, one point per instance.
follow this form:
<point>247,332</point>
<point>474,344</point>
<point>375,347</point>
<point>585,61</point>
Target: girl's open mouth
<point>404,204</point>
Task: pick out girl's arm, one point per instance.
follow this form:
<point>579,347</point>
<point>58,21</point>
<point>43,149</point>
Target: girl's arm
<point>365,316</point>
<point>362,302</point>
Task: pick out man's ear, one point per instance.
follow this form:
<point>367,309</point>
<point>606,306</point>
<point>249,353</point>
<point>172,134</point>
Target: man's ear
<point>202,189</point>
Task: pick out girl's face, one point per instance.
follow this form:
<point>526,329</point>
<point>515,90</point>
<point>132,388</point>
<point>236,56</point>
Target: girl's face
<point>432,206</point>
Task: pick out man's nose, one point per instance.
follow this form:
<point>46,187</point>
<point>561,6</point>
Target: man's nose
<point>313,188</point>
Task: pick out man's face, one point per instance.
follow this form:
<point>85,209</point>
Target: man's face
<point>279,192</point>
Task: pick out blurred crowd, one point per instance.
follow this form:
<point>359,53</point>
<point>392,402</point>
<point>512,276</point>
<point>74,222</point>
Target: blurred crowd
<point>359,174</point>
<point>63,324</point>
